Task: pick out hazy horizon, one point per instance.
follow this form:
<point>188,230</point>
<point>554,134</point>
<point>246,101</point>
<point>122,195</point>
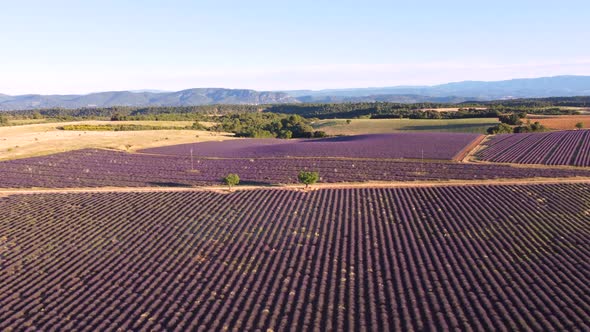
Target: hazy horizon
<point>65,47</point>
<point>287,90</point>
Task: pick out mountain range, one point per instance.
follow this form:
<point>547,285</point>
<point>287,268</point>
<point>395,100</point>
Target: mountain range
<point>557,86</point>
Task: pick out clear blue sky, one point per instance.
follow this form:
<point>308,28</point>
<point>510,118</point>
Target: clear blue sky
<point>85,46</point>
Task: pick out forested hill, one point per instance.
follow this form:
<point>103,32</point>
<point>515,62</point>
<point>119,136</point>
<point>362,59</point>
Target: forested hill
<point>456,92</point>
<point>208,96</point>
<point>450,93</point>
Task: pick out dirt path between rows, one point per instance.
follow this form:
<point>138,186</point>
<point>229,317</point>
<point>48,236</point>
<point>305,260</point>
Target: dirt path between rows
<point>470,149</point>
<point>469,155</point>
<point>318,186</point>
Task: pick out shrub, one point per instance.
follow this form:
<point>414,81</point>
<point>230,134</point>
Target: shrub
<point>579,125</point>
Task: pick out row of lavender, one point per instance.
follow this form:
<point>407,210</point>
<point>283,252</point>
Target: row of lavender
<point>555,148</point>
<point>384,146</point>
<point>483,258</point>
<point>99,168</point>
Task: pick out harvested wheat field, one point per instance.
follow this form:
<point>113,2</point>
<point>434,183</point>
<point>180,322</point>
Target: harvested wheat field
<point>561,122</point>
<point>43,139</point>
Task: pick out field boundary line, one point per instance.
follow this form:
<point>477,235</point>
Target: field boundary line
<point>299,187</point>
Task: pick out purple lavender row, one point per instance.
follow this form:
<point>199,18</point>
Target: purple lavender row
<point>100,168</point>
<point>555,148</point>
<point>389,146</point>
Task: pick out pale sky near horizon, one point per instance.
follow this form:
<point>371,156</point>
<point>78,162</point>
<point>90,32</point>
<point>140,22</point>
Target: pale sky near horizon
<point>88,46</point>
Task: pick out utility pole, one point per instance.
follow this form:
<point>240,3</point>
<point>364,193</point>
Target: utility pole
<point>192,163</point>
<point>422,164</point>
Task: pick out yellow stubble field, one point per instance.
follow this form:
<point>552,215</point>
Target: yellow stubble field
<point>44,138</point>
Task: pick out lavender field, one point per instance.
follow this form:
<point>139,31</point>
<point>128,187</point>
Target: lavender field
<point>99,168</point>
<point>556,148</point>
<point>475,258</point>
<point>387,146</point>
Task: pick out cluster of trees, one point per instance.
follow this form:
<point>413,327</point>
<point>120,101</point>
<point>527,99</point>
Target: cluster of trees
<point>550,102</point>
<point>505,128</point>
<point>166,114</point>
<point>380,110</point>
<point>514,123</point>
<point>152,113</point>
<point>501,128</point>
<point>513,119</point>
<point>530,128</point>
<point>267,125</point>
<point>501,109</point>
<point>305,177</point>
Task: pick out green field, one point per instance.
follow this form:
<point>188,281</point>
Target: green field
<point>379,126</point>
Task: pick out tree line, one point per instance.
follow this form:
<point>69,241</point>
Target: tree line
<point>373,110</point>
<point>576,101</point>
<point>128,127</point>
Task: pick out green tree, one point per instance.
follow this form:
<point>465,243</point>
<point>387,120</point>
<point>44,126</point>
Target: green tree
<point>231,180</point>
<point>3,120</point>
<point>308,178</point>
<point>579,125</point>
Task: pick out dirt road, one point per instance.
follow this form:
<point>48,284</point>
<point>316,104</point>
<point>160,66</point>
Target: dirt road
<point>318,186</point>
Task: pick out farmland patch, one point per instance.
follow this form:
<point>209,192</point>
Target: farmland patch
<point>104,168</point>
<point>477,257</point>
<point>382,146</point>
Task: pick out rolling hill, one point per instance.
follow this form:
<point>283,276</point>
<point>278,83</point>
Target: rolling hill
<point>564,86</point>
<point>457,92</point>
<point>188,97</point>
